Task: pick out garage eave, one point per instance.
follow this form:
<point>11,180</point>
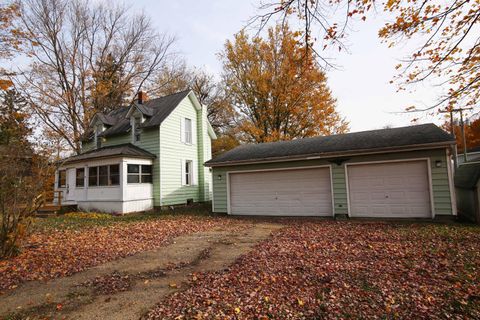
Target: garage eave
<point>330,155</point>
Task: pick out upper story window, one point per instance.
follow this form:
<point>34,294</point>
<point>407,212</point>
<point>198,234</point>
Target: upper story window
<point>188,131</point>
<point>98,140</point>
<point>137,121</point>
<point>62,178</point>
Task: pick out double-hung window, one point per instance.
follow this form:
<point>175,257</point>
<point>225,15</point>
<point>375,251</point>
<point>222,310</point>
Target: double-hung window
<point>139,173</point>
<point>104,175</point>
<point>188,172</point>
<point>188,131</point>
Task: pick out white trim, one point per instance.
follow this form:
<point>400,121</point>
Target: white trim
<point>347,187</point>
<point>279,169</point>
<point>227,176</point>
<point>429,173</point>
<point>160,200</point>
<point>451,186</point>
<point>213,198</point>
<point>328,156</point>
<point>331,191</point>
<point>430,185</point>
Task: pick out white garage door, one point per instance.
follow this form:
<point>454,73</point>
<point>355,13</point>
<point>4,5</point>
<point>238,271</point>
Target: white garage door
<point>300,192</point>
<point>396,190</point>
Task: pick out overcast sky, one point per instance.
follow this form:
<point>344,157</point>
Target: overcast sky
<point>361,85</point>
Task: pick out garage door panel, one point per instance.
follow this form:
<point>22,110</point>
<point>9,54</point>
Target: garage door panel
<point>399,189</point>
<point>303,192</point>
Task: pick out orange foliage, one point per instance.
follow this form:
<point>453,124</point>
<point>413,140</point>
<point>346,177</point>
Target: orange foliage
<point>279,91</point>
<point>472,134</point>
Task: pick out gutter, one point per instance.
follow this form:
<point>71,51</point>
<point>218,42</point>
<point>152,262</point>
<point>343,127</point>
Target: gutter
<point>328,155</point>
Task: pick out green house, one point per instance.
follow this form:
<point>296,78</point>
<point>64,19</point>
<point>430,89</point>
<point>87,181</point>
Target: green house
<point>149,154</point>
<point>389,173</point>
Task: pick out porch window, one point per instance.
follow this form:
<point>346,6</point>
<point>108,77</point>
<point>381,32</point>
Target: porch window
<point>137,173</point>
<point>104,175</point>
<point>146,174</point>
<point>80,177</point>
<point>93,176</point>
<point>62,178</point>
<point>114,176</point>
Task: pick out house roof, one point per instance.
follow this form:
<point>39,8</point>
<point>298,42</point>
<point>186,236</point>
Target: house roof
<point>127,149</point>
<point>335,145</point>
<point>155,110</point>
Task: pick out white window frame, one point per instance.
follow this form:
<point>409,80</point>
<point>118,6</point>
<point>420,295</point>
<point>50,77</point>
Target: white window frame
<point>188,172</point>
<point>188,127</point>
<point>98,129</point>
<point>136,131</point>
<point>192,174</point>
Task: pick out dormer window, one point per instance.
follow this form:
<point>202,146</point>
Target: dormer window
<point>98,139</point>
<point>137,121</point>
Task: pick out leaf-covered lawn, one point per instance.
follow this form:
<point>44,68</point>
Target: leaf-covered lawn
<point>64,245</point>
<point>341,270</point>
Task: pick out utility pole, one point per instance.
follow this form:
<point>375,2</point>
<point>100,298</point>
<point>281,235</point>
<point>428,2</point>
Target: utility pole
<point>462,127</point>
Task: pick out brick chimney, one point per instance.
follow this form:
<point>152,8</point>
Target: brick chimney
<point>141,97</point>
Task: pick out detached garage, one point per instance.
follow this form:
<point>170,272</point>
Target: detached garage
<point>390,173</point>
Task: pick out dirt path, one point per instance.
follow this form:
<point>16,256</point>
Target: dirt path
<point>127,288</point>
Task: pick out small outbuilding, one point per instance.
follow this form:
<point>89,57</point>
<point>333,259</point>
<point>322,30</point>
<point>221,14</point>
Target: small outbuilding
<point>389,173</point>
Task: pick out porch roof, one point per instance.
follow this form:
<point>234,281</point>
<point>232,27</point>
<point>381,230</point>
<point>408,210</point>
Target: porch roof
<point>124,150</point>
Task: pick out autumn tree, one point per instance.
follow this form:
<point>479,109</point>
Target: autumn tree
<point>74,48</point>
<point>277,95</point>
<point>472,133</point>
<point>10,38</point>
<point>23,169</point>
<point>109,90</point>
<point>448,34</point>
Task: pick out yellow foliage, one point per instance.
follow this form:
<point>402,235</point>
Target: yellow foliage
<point>88,215</point>
<point>280,91</point>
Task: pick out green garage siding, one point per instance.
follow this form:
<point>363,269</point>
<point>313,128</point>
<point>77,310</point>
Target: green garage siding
<point>440,183</point>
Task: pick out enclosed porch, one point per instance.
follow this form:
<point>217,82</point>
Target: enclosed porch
<point>112,179</point>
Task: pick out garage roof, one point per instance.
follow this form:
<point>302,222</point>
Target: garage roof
<point>127,149</point>
<point>419,136</point>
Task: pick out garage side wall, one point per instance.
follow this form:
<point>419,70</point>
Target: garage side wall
<point>438,168</point>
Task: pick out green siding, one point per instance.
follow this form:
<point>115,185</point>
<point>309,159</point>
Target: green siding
<point>119,139</point>
<point>87,146</point>
<point>150,141</point>
<point>440,183</point>
<point>173,151</point>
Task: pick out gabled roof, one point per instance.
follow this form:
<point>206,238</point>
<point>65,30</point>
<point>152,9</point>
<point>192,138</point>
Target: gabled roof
<point>127,149</point>
<point>155,110</point>
<point>336,145</point>
<point>163,107</point>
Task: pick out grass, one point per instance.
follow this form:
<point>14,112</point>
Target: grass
<point>80,221</point>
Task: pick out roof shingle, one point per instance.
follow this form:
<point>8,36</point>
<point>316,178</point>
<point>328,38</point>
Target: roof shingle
<point>325,146</point>
<point>156,110</point>
<point>127,149</point>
